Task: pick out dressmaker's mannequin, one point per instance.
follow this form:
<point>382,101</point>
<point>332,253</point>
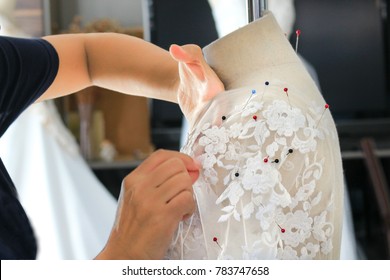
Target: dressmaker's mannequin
<point>271,185</point>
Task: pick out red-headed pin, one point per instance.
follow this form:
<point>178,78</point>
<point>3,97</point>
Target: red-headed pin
<point>298,33</point>
<point>326,107</point>
<point>216,241</point>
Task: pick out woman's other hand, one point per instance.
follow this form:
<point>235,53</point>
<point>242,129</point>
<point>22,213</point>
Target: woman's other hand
<point>154,198</point>
<point>198,82</point>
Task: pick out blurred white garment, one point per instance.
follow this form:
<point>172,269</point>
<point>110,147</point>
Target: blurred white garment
<point>7,26</point>
<point>70,210</point>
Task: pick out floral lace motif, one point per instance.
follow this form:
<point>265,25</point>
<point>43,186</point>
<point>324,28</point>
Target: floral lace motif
<point>262,163</point>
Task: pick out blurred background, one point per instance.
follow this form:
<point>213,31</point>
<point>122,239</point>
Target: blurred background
<point>345,44</point>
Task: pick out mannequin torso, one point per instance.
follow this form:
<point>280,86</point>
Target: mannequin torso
<point>271,186</point>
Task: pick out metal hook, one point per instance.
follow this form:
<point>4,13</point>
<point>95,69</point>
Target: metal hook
<point>256,9</point>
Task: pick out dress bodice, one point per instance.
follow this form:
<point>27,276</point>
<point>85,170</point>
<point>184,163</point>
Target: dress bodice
<point>271,182</point>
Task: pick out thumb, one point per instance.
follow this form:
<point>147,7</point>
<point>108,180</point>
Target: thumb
<point>191,56</point>
<point>193,170</point>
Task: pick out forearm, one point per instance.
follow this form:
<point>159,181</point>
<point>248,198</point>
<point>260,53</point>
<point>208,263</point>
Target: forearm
<point>118,62</point>
<point>131,65</point>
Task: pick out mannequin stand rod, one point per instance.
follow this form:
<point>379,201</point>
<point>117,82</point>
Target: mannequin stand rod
<point>256,9</point>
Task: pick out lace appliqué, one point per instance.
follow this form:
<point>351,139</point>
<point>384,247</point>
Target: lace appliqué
<point>262,164</point>
<point>189,238</point>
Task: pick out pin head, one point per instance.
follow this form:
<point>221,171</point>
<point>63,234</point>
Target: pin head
<point>285,89</point>
<point>223,118</point>
<point>253,91</point>
<point>267,83</point>
<point>298,32</point>
<point>327,106</point>
<point>254,117</point>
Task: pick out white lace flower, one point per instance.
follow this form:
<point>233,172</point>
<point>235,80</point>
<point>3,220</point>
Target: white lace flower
<point>287,253</point>
<point>272,149</point>
<point>309,251</point>
<point>308,144</point>
<point>214,140</point>
<point>233,151</point>
<point>298,228</point>
<point>322,230</point>
<point>259,177</point>
<point>207,160</point>
<point>265,214</point>
<point>327,246</point>
<point>235,130</point>
<point>259,251</point>
<point>283,118</point>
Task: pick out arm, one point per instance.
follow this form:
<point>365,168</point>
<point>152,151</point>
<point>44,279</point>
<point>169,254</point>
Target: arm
<point>158,194</point>
<point>133,66</point>
<point>118,62</point>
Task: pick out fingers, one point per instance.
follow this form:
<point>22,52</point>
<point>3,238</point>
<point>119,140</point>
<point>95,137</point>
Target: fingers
<point>184,201</point>
<point>186,54</point>
<point>160,156</point>
<point>191,56</point>
<point>154,199</point>
<point>174,185</point>
<point>164,175</point>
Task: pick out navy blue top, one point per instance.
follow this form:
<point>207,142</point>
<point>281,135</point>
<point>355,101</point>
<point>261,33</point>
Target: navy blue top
<point>27,69</point>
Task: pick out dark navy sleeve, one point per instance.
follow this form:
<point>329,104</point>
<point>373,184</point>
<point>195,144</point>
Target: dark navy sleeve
<point>27,68</point>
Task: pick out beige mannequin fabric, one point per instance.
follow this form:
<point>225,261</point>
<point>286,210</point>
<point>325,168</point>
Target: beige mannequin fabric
<point>271,185</point>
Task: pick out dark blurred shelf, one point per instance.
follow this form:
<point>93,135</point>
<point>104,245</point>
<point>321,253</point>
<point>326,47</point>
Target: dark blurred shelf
<point>117,164</point>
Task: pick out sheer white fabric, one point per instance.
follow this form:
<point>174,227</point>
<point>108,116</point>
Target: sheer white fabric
<point>266,190</point>
<point>271,184</point>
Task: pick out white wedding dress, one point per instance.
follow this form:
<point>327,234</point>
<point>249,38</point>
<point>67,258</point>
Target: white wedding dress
<point>271,184</point>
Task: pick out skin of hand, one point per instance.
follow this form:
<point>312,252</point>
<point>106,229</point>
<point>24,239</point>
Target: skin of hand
<point>133,66</point>
<point>154,198</point>
<point>198,82</point>
<point>158,194</point>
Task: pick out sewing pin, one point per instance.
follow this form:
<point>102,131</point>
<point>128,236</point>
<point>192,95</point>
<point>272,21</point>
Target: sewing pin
<point>250,97</point>
<point>326,107</point>
<point>298,33</point>
<point>216,241</point>
<point>288,97</point>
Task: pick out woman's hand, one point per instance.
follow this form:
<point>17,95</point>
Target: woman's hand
<point>154,198</point>
<point>198,82</point>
